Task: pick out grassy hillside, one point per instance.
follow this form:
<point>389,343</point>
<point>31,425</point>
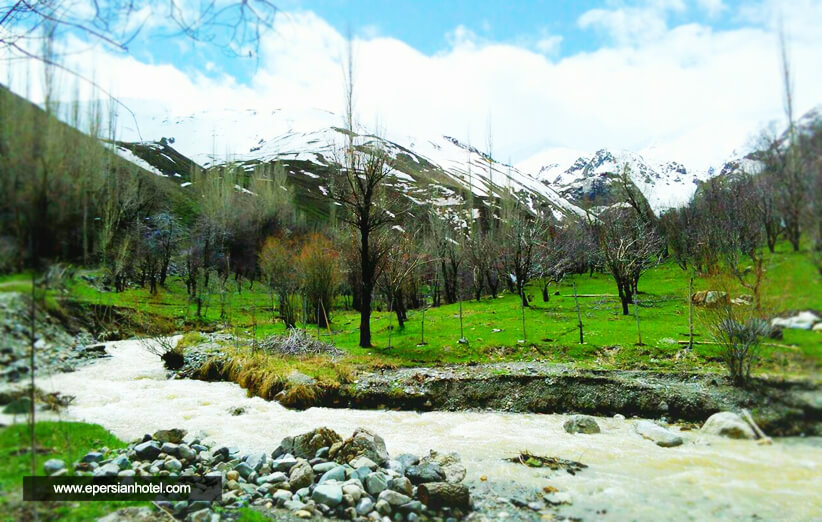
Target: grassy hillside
<point>494,328</point>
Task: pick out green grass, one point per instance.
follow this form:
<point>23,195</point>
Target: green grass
<point>67,441</point>
<point>550,327</point>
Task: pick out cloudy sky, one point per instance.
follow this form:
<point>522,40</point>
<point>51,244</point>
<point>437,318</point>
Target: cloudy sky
<point>686,80</point>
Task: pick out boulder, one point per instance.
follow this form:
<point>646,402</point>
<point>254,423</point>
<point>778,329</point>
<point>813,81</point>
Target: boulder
<point>709,298</point>
<point>656,433</point>
<point>376,483</point>
<point>424,472</point>
<point>306,445</point>
<point>327,494</point>
<point>801,321</point>
<point>363,443</point>
<point>338,474</point>
<point>147,450</point>
<point>728,424</point>
<point>449,465</point>
<point>581,424</point>
<point>301,475</point>
<point>175,436</point>
<point>52,466</point>
<point>394,498</point>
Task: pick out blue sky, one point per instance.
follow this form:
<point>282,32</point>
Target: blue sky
<point>692,81</point>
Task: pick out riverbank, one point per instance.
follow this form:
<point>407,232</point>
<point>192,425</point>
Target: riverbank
<point>780,407</point>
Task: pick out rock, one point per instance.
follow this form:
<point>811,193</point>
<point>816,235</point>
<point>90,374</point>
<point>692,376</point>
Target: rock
<point>327,494</point>
<point>728,424</point>
<point>619,417</point>
<point>338,474</point>
<point>186,453</point>
<point>284,464</point>
<point>365,506</point>
<point>122,462</point>
<point>352,490</point>
<point>301,475</point>
<point>202,515</point>
<point>817,327</point>
<point>92,456</point>
<point>656,433</point>
<point>363,462</point>
<point>743,300</point>
<point>173,465</point>
<point>169,448</point>
<point>556,498</point>
<point>293,505</point>
<point>107,470</point>
<point>233,475</point>
<point>709,298</point>
<point>255,461</point>
<point>52,466</point>
<point>363,443</point>
<point>581,424</point>
<point>243,469</point>
<point>273,478</point>
<point>126,473</point>
<point>449,465</point>
<point>147,450</point>
<point>306,445</point>
<point>175,436</point>
<point>376,483</point>
<point>415,506</point>
<point>801,321</point>
<point>394,498</point>
<point>298,378</point>
<point>382,507</point>
<point>401,485</point>
<point>323,467</point>
<point>424,472</point>
<point>302,514</point>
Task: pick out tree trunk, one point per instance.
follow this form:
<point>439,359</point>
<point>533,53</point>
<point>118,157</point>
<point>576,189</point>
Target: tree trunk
<point>436,495</point>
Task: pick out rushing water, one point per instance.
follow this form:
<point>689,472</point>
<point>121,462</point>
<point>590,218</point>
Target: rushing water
<point>628,478</point>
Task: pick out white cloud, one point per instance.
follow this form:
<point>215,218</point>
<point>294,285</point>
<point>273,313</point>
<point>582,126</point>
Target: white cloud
<point>688,93</point>
<point>712,8</point>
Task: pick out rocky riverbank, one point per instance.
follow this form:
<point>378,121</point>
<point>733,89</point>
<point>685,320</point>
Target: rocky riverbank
<point>315,474</point>
<point>781,408</point>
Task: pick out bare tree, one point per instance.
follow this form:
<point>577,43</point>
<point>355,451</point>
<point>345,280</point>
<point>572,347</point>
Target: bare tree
<point>629,247</point>
<point>523,236</point>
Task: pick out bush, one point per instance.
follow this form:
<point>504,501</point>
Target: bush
<point>738,334</point>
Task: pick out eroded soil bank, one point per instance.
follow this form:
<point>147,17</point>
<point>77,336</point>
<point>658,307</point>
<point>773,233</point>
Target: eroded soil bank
<point>782,408</point>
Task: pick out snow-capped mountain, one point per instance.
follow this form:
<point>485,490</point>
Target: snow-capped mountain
<point>440,170</point>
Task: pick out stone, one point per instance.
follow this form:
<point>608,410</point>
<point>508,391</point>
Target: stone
<point>376,483</point>
<point>123,462</point>
<point>322,453</point>
<point>281,496</point>
<point>147,450</point>
<point>656,433</point>
<point>175,436</point>
<point>92,456</point>
<point>619,417</point>
<point>360,462</point>
<point>382,507</point>
<point>255,461</point>
<point>126,473</point>
<point>728,424</point>
<point>415,506</point>
<point>52,466</point>
<point>424,472</point>
<point>302,514</point>
<point>394,498</point>
<point>185,452</point>
<point>202,515</point>
<point>244,469</point>
<point>293,505</point>
<point>301,475</point>
<point>354,491</point>
<point>581,424</point>
<point>173,465</point>
<point>284,464</point>
<point>801,321</point>
<point>107,470</point>
<point>449,465</point>
<point>232,475</point>
<point>337,474</point>
<point>363,443</point>
<point>323,467</point>
<point>709,298</point>
<point>306,445</point>
<point>169,448</point>
<point>327,494</point>
<point>272,478</point>
<point>401,485</point>
<point>365,506</point>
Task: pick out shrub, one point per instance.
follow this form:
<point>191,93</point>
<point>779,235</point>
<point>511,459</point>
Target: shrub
<point>320,276</point>
<point>738,334</point>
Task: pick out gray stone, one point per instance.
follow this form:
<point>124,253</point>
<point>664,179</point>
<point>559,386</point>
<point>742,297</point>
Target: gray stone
<point>174,436</point>
<point>282,496</point>
<point>728,424</point>
<point>93,456</point>
<point>363,443</point>
<point>376,483</point>
<point>186,453</point>
<point>147,450</point>
<point>123,462</point>
<point>273,478</point>
<point>169,448</point>
<point>415,506</point>
<point>382,507</point>
<point>581,424</point>
<point>293,505</point>
<point>656,433</point>
<point>394,498</point>
<point>365,506</point>
<point>337,474</point>
<point>402,485</point>
<point>243,469</point>
<point>361,462</point>
<point>307,444</point>
<point>327,494</point>
<point>107,470</point>
<point>52,466</point>
<point>424,473</point>
<point>353,491</point>
<point>126,473</point>
<point>323,467</point>
<point>284,464</point>
<point>301,475</point>
<point>256,461</point>
<point>173,465</point>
